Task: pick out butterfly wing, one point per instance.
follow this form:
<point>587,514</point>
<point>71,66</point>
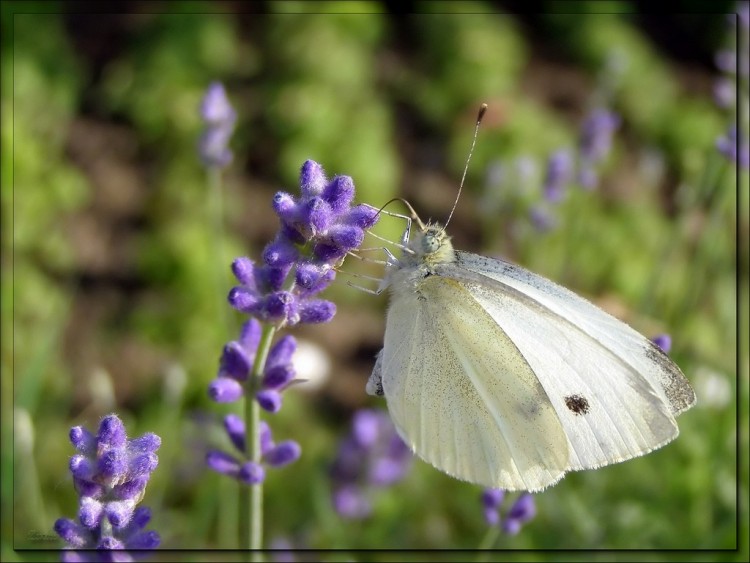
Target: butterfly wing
<point>462,395</point>
<point>614,391</point>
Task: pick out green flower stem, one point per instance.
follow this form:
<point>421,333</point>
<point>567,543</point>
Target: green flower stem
<point>489,542</point>
<point>251,497</point>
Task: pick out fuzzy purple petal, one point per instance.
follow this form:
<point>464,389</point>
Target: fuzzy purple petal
<point>492,498</point>
<point>251,473</point>
<point>113,464</point>
<point>362,216</point>
<point>266,439</point>
<point>72,533</point>
<point>272,278</point>
<point>120,512</point>
<point>316,216</point>
<point>663,341</point>
<point>339,194</point>
<point>235,427</point>
<point>225,390</point>
<point>281,305</point>
<point>144,540</point>
<point>87,488</point>
<point>143,464</point>
<point>83,440</point>
<point>312,179</point>
<point>280,253</point>
<point>82,467</point>
<point>149,442</point>
<point>89,512</point>
<point>243,299</point>
<point>523,509</point>
<point>328,252</point>
<point>278,376</point>
<point>132,489</point>
<point>244,270</point>
<point>281,352</point>
<point>317,311</point>
<point>283,454</point>
<point>308,274</point>
<point>222,463</point>
<point>348,237</point>
<point>250,335</point>
<point>215,107</point>
<point>286,208</point>
<point>235,361</point>
<point>111,432</point>
<point>269,400</point>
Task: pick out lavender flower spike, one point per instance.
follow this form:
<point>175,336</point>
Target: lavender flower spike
<point>273,455</point>
<point>734,147</point>
<point>559,167</point>
<point>317,230</point>
<point>520,512</point>
<point>219,118</point>
<point>595,143</point>
<point>110,474</point>
<point>371,457</point>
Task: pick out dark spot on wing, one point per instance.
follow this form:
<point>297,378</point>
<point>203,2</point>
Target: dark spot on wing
<point>577,404</point>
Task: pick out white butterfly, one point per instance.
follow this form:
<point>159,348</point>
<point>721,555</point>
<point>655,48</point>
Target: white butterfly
<point>500,377</point>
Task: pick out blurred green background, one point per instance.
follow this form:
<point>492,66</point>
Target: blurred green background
<point>114,277</point>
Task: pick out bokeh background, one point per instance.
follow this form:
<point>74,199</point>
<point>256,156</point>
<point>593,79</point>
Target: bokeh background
<point>115,274</point>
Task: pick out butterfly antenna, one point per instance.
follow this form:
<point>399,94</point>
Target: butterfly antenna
<point>480,115</point>
<point>414,216</point>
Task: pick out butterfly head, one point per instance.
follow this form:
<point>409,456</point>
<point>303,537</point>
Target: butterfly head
<point>432,245</point>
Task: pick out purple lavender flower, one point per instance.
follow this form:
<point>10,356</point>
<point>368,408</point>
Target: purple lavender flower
<point>520,512</point>
<point>219,118</point>
<point>236,365</point>
<point>317,231</point>
<point>542,218</point>
<point>372,456</point>
<point>110,474</point>
<point>273,455</point>
<point>724,92</point>
<point>734,147</point>
<point>559,168</point>
<point>595,143</point>
<point>663,341</point>
<point>734,63</point>
<point>491,500</point>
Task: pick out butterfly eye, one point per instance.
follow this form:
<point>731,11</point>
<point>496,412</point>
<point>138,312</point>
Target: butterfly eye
<point>431,242</point>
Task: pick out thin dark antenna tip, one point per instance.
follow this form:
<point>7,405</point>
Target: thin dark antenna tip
<point>482,111</point>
